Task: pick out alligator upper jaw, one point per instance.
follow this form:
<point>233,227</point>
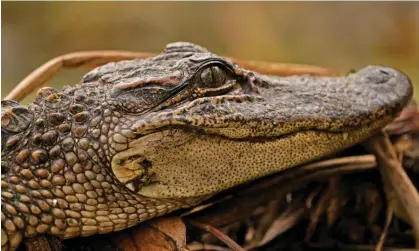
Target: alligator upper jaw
<point>291,104</point>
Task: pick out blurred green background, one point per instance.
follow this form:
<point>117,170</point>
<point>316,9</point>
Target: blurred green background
<point>339,35</point>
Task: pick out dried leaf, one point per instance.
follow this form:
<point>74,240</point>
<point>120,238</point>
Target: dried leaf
<point>334,207</point>
<point>315,215</point>
<point>395,176</point>
<point>283,223</point>
<point>163,234</point>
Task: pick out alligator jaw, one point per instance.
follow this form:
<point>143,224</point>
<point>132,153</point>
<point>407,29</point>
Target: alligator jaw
<point>188,164</point>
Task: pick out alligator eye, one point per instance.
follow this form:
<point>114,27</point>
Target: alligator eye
<point>213,77</point>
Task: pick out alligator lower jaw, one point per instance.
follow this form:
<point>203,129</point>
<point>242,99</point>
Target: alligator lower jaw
<point>184,164</point>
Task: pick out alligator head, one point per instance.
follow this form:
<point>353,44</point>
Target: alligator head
<point>196,124</point>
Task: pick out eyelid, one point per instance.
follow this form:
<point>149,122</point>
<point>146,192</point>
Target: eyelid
<point>218,63</point>
<point>170,95</point>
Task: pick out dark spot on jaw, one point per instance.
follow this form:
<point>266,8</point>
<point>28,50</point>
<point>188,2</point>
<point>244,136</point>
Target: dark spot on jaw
<point>146,163</point>
<point>137,184</point>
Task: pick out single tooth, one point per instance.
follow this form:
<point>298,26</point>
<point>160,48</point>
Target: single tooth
<point>130,186</point>
<point>289,197</point>
<point>345,136</point>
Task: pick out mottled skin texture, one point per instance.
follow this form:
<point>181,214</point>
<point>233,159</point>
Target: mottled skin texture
<point>138,139</point>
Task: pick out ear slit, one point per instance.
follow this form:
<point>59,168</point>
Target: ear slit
<point>170,94</point>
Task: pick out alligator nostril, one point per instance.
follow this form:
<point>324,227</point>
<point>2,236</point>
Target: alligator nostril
<point>384,72</point>
<point>379,76</point>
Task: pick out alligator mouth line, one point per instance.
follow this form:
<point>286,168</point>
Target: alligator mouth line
<point>223,132</point>
<point>279,129</point>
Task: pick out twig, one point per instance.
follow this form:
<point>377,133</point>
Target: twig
<point>389,217</point>
<point>203,246</point>
<point>37,243</point>
<point>371,248</point>
<point>288,219</point>
<point>217,233</point>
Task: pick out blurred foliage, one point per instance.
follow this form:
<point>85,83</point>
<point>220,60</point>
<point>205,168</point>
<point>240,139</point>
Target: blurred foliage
<point>339,35</point>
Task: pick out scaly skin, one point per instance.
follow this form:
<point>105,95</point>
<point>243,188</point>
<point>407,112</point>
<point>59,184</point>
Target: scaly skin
<point>138,139</point>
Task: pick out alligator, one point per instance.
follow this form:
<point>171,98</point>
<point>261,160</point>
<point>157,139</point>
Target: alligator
<point>140,138</point>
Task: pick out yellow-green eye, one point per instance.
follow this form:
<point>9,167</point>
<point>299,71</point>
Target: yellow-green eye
<point>213,77</point>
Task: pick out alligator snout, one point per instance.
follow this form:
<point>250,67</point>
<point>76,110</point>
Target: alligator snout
<point>379,75</point>
<point>383,86</point>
